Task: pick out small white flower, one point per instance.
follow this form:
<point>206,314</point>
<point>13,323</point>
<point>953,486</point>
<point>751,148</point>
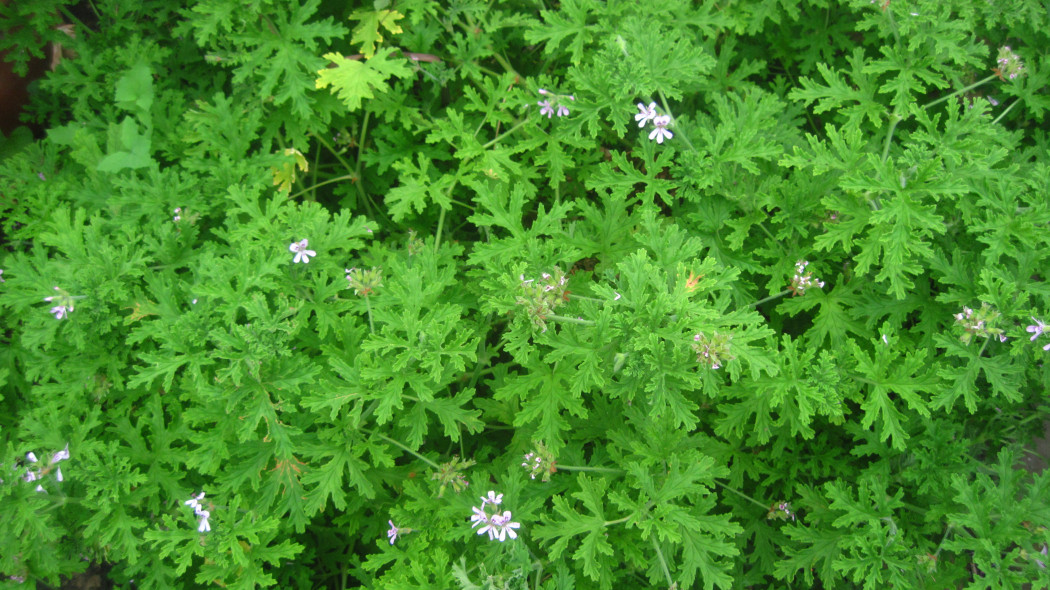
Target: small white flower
<point>562,110</point>
<point>645,114</point>
<point>393,532</point>
<point>1,276</point>
<point>60,311</point>
<point>661,131</point>
<point>617,298</point>
<point>204,526</point>
<point>546,108</point>
<point>478,517</point>
<point>301,253</point>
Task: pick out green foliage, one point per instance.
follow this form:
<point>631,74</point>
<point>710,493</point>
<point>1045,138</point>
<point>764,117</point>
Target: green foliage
<point>308,305</point>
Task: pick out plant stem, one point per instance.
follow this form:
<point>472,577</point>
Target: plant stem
<point>402,447</point>
<point>516,126</point>
<point>958,92</point>
<point>663,562</point>
<point>1003,114</point>
<point>368,306</point>
<point>741,494</point>
<point>679,130</point>
<point>617,521</point>
<point>441,224</point>
<point>894,120</point>
<point>322,183</point>
<point>770,298</point>
<point>588,468</point>
<point>568,320</point>
<point>594,299</point>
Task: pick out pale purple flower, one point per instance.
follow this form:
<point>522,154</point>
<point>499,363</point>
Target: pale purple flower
<point>661,131</point>
<point>60,311</point>
<point>301,253</point>
<point>1036,329</point>
<point>501,527</point>
<point>645,114</point>
<point>178,214</point>
<point>493,498</point>
<point>479,516</point>
<point>546,108</point>
<point>1,276</point>
<point>562,110</point>
<point>393,532</point>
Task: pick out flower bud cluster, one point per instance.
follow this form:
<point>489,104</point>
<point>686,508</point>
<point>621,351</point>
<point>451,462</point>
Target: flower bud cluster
<point>980,323</point>
<point>498,525</point>
<point>542,296</point>
<point>781,511</point>
<point>364,282</point>
<point>540,462</point>
<point>712,352</point>
<point>1010,64</point>
<point>803,279</point>
<point>451,474</point>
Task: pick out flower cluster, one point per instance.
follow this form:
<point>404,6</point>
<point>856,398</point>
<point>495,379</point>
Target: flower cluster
<point>803,279</point>
<point>451,474</point>
<point>660,131</point>
<point>1038,329</point>
<point>712,352</point>
<point>301,253</point>
<point>203,515</point>
<point>498,525</point>
<point>979,323</point>
<point>63,301</point>
<point>1010,64</point>
<point>364,282</point>
<point>41,473</point>
<point>554,104</point>
<point>540,462</point>
<point>781,511</point>
<point>541,297</point>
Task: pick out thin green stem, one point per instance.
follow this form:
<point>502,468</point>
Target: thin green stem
<point>368,306</point>
<point>663,562</point>
<point>568,320</point>
<point>585,298</point>
<point>958,92</point>
<point>679,130</point>
<point>588,468</point>
<point>894,120</point>
<point>741,494</point>
<point>322,183</point>
<point>401,446</point>
<point>1006,110</point>
<point>771,297</point>
<point>437,234</point>
<point>617,521</point>
<point>517,126</point>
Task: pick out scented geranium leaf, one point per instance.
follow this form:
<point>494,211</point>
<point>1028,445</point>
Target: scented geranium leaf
<point>331,463</point>
<point>368,32</point>
<point>621,180</point>
<point>853,99</point>
<point>280,58</point>
<point>546,400</point>
<point>992,520</point>
<point>419,184</point>
<point>594,554</point>
<point>354,81</point>
<point>572,22</point>
<point>889,376</point>
<point>128,148</point>
<point>1002,373</point>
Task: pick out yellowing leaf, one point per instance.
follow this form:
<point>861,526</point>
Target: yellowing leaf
<point>367,32</point>
<point>284,177</point>
<point>353,80</point>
